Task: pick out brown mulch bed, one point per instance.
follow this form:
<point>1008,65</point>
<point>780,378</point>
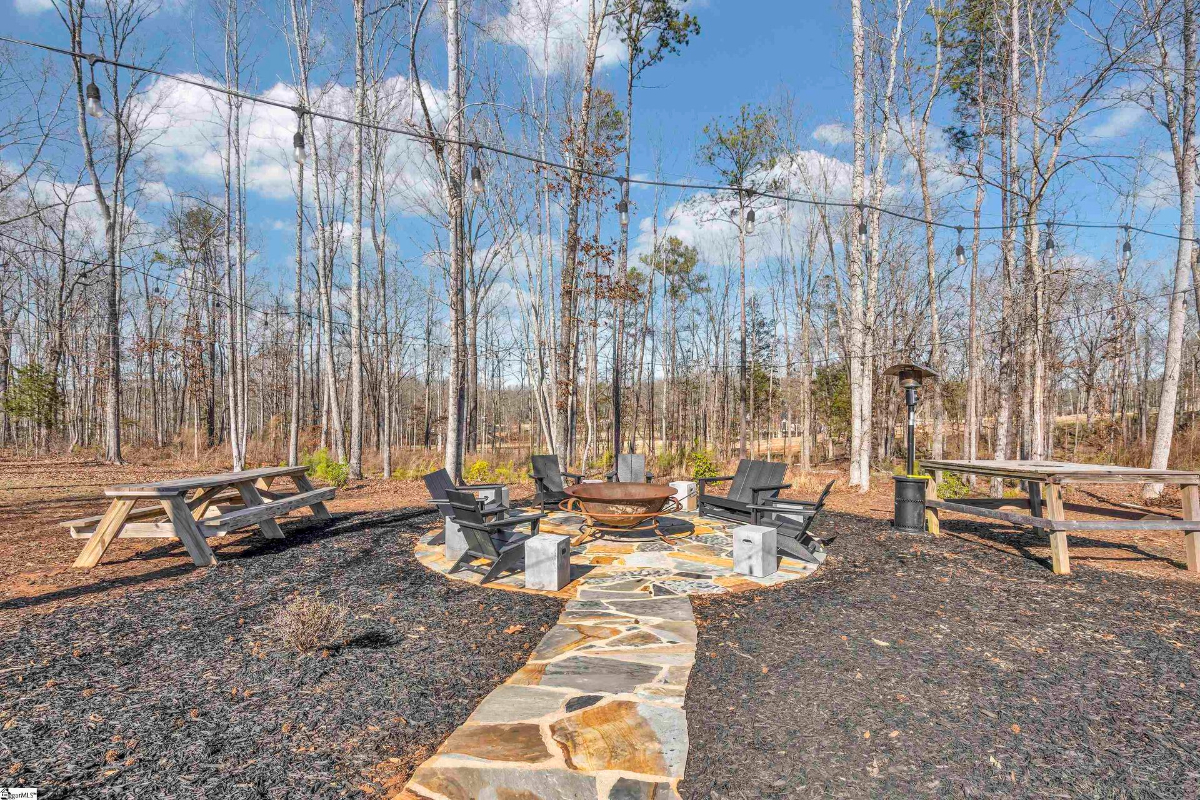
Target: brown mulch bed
<point>184,688</point>
<point>949,667</point>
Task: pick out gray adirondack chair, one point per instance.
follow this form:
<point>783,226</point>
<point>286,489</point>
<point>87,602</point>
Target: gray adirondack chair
<point>439,485</point>
<point>631,468</point>
<point>548,478</point>
<point>490,535</point>
<point>754,482</point>
<point>793,520</point>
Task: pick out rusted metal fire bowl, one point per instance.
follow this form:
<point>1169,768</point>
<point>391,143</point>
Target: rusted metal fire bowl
<point>615,507</point>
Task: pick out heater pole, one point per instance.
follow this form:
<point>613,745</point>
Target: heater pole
<point>910,397</point>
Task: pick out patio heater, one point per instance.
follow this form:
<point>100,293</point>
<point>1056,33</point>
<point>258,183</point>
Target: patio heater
<point>910,488</point>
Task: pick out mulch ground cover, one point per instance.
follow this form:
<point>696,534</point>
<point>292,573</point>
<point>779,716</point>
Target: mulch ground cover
<point>920,667</point>
<point>187,690</point>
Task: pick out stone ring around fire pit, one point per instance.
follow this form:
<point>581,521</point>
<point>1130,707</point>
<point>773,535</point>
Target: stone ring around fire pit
<point>619,508</point>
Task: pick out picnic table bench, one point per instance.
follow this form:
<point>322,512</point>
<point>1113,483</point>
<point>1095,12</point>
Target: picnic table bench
<point>208,512</point>
<point>1043,507</point>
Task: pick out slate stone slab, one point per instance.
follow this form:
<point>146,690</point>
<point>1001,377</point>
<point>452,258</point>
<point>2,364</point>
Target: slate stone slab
<point>594,674</point>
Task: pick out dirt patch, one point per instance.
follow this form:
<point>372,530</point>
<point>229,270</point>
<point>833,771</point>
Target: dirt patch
<point>915,667</point>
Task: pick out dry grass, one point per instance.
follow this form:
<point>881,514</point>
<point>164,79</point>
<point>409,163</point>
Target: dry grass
<point>307,623</point>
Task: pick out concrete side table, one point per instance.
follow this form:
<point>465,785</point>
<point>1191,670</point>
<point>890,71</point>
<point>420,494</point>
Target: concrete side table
<point>754,551</point>
<point>686,494</point>
<point>493,496</point>
<point>455,543</point>
<point>547,562</point>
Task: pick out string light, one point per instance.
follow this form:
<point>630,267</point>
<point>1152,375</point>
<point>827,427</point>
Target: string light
<point>1049,242</point>
<point>960,252</point>
<point>862,225</point>
<point>298,139</point>
<point>94,108</point>
<point>1127,247</point>
<point>622,206</point>
<point>748,219</point>
<point>477,174</point>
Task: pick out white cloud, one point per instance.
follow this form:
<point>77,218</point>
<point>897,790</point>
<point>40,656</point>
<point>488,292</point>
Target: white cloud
<point>1120,121</point>
<point>30,7</point>
<point>833,133</point>
<point>553,34</point>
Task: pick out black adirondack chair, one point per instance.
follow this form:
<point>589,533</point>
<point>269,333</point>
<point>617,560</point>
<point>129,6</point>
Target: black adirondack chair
<point>490,535</point>
<point>439,483</point>
<point>631,468</point>
<point>754,482</point>
<point>793,533</point>
<point>548,477</point>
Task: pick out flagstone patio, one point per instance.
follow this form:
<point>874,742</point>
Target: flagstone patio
<point>597,712</point>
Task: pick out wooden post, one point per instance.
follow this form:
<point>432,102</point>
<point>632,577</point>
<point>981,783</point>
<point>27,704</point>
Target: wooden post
<point>1034,490</point>
<point>303,484</point>
<point>108,528</point>
<point>251,497</point>
<point>1058,539</point>
<point>188,532</point>
<point>932,523</point>
<point>1191,510</point>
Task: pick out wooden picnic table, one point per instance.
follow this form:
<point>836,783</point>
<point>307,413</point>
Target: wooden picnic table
<point>193,519</point>
<point>1045,510</point>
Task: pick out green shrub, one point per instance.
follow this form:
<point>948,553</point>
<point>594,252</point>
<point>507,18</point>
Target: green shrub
<point>703,464</point>
<point>952,487</point>
<point>478,472</point>
<point>324,468</point>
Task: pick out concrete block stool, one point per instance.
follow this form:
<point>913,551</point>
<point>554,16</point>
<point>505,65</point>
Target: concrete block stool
<point>754,551</point>
<point>455,543</point>
<point>547,562</point>
<point>686,494</point>
<point>493,496</point>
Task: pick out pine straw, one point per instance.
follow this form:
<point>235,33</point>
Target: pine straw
<point>188,691</point>
<point>913,667</point>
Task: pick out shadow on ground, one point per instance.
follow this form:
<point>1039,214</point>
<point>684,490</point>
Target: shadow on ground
<point>921,667</point>
<point>186,689</point>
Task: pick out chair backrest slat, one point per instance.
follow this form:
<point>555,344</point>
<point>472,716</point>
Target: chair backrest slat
<point>751,473</point>
<point>547,472</point>
<point>631,468</point>
<point>824,493</point>
<point>739,489</point>
<point>439,485</point>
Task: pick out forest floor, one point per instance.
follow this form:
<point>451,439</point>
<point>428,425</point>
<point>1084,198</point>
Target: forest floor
<point>974,670</point>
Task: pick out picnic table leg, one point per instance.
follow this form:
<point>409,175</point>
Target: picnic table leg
<point>303,484</point>
<point>1059,557</point>
<point>1191,539</point>
<point>932,523</point>
<point>200,503</point>
<point>1034,489</point>
<point>251,497</point>
<point>110,525</point>
<point>188,531</point>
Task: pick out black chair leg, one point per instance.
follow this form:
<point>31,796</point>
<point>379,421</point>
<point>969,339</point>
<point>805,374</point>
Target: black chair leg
<point>507,561</point>
<point>789,546</point>
<point>463,560</point>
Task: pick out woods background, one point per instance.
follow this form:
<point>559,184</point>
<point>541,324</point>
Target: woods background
<point>1007,194</point>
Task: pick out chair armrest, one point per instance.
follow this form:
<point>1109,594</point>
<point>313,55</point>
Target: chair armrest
<point>508,522</point>
<point>649,477</point>
<point>758,509</point>
<point>610,474</point>
<point>755,490</point>
<point>574,475</point>
<point>472,487</point>
<point>703,481</point>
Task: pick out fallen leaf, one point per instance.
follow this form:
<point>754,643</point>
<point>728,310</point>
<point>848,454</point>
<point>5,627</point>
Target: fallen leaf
<point>1016,728</point>
<point>881,643</point>
<point>514,629</point>
<point>893,734</point>
<point>866,734</point>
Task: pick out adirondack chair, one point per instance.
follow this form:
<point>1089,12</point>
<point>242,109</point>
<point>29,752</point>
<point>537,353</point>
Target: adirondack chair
<point>794,520</point>
<point>439,483</point>
<point>754,482</point>
<point>490,535</point>
<point>631,468</point>
<point>548,477</point>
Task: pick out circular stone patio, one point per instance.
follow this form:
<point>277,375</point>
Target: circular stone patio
<point>597,712</point>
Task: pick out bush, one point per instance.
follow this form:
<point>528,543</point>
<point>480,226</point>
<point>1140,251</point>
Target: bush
<point>306,623</point>
<point>478,472</point>
<point>952,487</point>
<point>324,468</point>
<point>702,464</point>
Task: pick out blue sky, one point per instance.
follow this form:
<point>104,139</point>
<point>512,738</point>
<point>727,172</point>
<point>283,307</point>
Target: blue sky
<point>747,52</point>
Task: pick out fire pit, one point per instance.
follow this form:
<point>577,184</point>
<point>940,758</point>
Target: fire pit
<point>619,508</point>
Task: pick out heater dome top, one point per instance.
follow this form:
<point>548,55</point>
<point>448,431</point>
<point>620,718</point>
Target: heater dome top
<point>911,376</point>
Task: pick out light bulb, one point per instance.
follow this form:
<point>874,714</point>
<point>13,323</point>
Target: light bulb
<point>477,179</point>
<point>750,222</point>
<point>93,101</point>
<point>962,256</point>
<point>623,211</point>
<point>298,147</point>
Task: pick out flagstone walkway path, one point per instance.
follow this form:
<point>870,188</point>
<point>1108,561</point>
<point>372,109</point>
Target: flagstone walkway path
<point>597,712</point>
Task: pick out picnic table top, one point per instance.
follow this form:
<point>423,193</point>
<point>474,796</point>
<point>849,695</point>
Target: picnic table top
<point>182,485</point>
<point>1061,471</point>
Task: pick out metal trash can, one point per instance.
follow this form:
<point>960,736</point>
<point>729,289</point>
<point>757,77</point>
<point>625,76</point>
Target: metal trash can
<point>910,504</point>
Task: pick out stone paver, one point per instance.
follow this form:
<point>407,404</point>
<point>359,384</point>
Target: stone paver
<point>597,712</point>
